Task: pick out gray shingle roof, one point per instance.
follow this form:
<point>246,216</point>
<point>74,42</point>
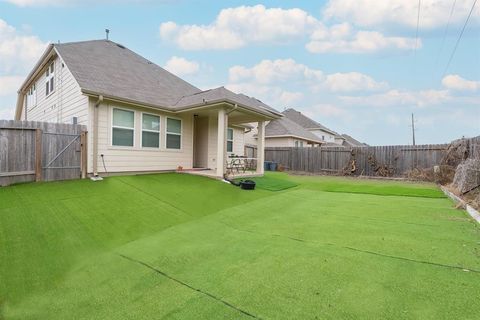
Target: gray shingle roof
<point>304,121</point>
<point>106,68</point>
<point>352,142</point>
<point>286,127</point>
<point>223,94</point>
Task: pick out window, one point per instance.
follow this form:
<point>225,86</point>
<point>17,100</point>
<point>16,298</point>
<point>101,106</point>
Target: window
<point>323,138</point>
<point>32,96</point>
<point>174,133</point>
<point>123,128</point>
<point>229,140</point>
<point>301,144</point>
<point>296,144</point>
<point>50,79</point>
<point>150,131</point>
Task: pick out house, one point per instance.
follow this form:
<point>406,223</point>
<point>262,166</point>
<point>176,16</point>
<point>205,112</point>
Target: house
<point>284,132</point>
<point>351,142</point>
<point>140,117</point>
<point>322,132</point>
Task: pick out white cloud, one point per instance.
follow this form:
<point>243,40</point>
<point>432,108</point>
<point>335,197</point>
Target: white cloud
<point>395,97</point>
<point>181,66</point>
<point>10,84</point>
<point>326,110</point>
<point>18,52</point>
<point>235,27</point>
<point>274,96</point>
<point>274,71</point>
<point>6,113</point>
<point>288,71</point>
<point>370,13</point>
<point>353,81</point>
<point>455,82</point>
<point>341,38</point>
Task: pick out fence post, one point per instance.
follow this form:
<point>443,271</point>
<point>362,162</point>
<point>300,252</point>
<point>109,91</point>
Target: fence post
<point>38,155</point>
<point>83,154</point>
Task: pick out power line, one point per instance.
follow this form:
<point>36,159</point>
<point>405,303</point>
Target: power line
<point>445,33</point>
<point>418,24</point>
<point>459,38</point>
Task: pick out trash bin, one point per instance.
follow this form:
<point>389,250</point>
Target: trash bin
<point>273,166</point>
<point>266,165</point>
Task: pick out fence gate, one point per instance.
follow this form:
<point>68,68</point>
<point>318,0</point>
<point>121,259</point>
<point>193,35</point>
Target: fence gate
<point>40,151</point>
<point>61,155</point>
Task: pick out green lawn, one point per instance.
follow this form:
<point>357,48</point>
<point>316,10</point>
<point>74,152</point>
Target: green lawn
<point>175,246</point>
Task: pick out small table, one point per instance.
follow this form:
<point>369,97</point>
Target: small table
<point>240,163</point>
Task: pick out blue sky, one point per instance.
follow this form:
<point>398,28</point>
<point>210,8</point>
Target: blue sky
<point>354,66</point>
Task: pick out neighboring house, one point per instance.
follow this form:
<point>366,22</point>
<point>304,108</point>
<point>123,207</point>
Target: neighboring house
<point>284,132</point>
<point>351,142</point>
<point>140,117</point>
<point>322,132</point>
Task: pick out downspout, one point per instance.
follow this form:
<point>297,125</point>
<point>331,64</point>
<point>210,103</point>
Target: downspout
<point>95,135</point>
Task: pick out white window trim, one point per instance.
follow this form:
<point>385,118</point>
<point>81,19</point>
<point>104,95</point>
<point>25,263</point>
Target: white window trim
<point>51,75</point>
<point>233,136</point>
<point>120,127</point>
<point>159,131</point>
<point>167,133</point>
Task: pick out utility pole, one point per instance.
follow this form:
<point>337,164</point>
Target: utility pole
<point>413,129</point>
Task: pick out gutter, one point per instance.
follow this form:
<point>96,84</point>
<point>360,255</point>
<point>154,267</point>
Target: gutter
<point>95,135</point>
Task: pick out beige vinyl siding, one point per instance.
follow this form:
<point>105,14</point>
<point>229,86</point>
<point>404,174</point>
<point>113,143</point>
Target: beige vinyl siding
<point>280,142</point>
<point>66,102</point>
<point>137,158</point>
<point>201,140</point>
<point>323,135</point>
<point>238,141</point>
<point>212,142</point>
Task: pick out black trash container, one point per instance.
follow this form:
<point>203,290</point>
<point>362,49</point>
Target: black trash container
<point>247,185</point>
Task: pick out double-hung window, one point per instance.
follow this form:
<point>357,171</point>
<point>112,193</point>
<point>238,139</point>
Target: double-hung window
<point>229,140</point>
<point>150,131</point>
<point>123,128</point>
<point>50,79</point>
<point>32,97</point>
<point>174,133</point>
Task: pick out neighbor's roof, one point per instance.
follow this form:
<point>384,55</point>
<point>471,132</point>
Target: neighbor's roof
<point>304,121</point>
<point>352,142</point>
<point>103,67</point>
<point>286,127</point>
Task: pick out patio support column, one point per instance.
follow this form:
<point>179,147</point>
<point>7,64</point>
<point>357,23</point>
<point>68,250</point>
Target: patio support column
<point>260,146</point>
<point>221,142</point>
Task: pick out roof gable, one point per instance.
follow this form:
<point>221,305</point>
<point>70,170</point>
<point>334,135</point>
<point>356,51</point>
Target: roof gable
<point>286,127</point>
<point>304,121</point>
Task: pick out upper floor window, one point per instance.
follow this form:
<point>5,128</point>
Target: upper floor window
<point>229,140</point>
<point>32,97</point>
<point>296,143</point>
<point>50,79</point>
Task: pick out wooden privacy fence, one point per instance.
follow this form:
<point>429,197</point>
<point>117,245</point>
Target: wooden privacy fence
<point>41,151</point>
<point>358,160</point>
